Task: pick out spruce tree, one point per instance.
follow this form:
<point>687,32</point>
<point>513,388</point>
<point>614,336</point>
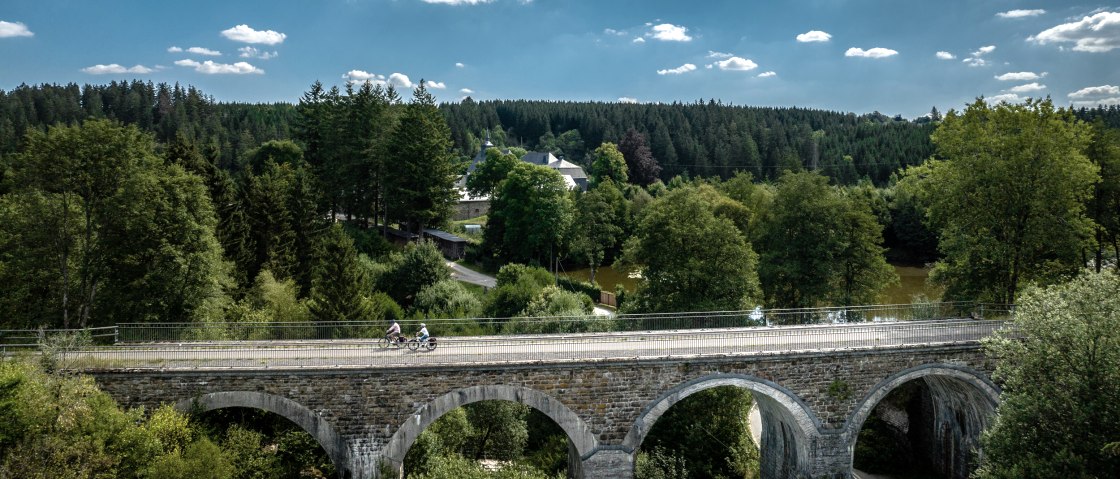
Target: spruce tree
<point>341,285</point>
<point>422,168</point>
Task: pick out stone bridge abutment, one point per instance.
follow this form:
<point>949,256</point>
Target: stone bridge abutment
<point>367,418</point>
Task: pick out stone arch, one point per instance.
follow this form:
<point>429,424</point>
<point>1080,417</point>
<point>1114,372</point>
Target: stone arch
<point>580,435</point>
<point>963,397</point>
<point>308,420</point>
<point>790,428</point>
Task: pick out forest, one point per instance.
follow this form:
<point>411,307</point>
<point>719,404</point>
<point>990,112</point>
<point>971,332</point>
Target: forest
<point>134,202</point>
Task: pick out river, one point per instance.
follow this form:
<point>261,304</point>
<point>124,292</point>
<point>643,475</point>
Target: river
<point>912,281</point>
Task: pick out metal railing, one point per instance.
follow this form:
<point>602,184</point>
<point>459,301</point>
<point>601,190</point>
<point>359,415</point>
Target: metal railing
<point>24,339</point>
<point>321,331</point>
<point>521,349</point>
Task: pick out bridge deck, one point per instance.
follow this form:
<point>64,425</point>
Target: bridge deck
<point>585,347</point>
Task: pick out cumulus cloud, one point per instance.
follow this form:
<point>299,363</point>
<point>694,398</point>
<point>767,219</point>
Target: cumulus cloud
<point>687,67</point>
<point>945,56</point>
<point>14,29</point>
<point>1027,88</point>
<point>1020,76</point>
<point>1097,33</point>
<point>204,51</point>
<point>466,91</point>
<point>246,34</point>
<point>975,62</point>
<point>174,49</point>
<point>814,36</point>
<point>1020,13</point>
<point>1006,97</point>
<point>876,52</point>
<point>626,99</point>
<point>358,76</point>
<point>736,64</point>
<point>767,74</point>
<point>253,52</point>
<point>720,55</point>
<point>462,2</point>
<point>209,67</point>
<point>667,32</point>
<point>1095,92</point>
<point>116,69</point>
<point>984,50</point>
<point>639,40</point>
<point>435,85</point>
<point>400,80</point>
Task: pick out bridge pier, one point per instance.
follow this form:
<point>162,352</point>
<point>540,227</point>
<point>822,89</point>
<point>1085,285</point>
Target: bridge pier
<point>608,463</point>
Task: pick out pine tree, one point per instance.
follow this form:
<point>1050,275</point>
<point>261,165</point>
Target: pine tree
<point>422,170</point>
<point>340,285</point>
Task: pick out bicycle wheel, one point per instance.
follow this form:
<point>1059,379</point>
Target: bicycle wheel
<point>431,345</point>
<point>413,345</point>
<point>383,343</point>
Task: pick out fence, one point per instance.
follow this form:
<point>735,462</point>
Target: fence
<point>536,348</point>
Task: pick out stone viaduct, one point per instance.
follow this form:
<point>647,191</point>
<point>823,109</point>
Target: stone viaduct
<point>812,404</point>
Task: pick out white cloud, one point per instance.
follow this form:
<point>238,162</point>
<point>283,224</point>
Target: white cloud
<point>1097,33</point>
<point>1027,88</point>
<point>1020,76</point>
<point>210,68</point>
<point>814,36</point>
<point>16,29</point>
<point>359,76</point>
<point>720,55</point>
<point>876,52</point>
<point>667,32</point>
<point>435,85</point>
<point>626,99</point>
<point>1095,91</point>
<point>1020,13</point>
<point>116,69</point>
<point>617,33</point>
<point>984,50</point>
<point>1006,97</point>
<point>975,62</point>
<point>245,34</point>
<point>1094,103</point>
<point>400,80</point>
<point>253,52</point>
<point>466,91</point>
<point>736,64</point>
<point>945,56</point>
<point>174,49</point>
<point>204,51</point>
<point>462,2</point>
<point>460,65</point>
<point>687,67</point>
<point>639,40</point>
<point>767,74</point>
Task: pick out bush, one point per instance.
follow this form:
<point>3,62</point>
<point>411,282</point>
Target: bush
<point>419,266</point>
<point>447,299</point>
<point>592,290</point>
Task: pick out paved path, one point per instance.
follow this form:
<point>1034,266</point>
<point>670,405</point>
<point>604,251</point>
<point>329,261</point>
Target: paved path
<point>467,275</point>
<point>584,347</point>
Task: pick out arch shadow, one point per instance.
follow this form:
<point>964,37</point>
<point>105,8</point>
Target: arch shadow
<point>960,387</point>
<point>788,424</point>
<point>312,423</point>
<point>574,427</point>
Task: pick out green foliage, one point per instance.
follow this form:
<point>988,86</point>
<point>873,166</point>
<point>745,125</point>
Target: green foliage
<point>1010,195</point>
<point>447,299</point>
<point>340,282</point>
<point>1104,208</point>
<point>201,459</point>
<point>419,266</point>
<point>719,273</point>
<point>591,290</point>
<point>607,163</point>
<point>421,176</point>
<point>499,429</point>
<point>108,231</point>
<point>706,434</point>
<point>517,286</point>
<point>555,310</point>
<point>840,390</point>
<point>597,229</point>
<point>530,214</point>
<point>490,173</point>
<point>820,246</point>
<point>1060,372</point>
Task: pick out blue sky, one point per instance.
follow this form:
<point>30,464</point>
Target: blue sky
<point>893,56</point>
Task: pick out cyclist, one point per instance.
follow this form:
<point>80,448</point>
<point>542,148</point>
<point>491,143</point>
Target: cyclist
<point>394,331</point>
<point>423,334</point>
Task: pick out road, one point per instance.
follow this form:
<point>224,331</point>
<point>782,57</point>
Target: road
<point>585,347</point>
<point>466,275</point>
